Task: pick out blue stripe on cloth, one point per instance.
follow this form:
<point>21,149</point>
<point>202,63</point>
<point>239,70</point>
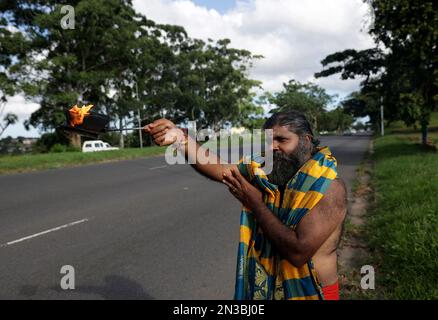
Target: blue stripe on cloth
<point>302,182</point>
<point>296,216</point>
<point>294,288</point>
<point>251,277</point>
<point>321,185</point>
<point>328,163</point>
<point>283,214</point>
<point>243,169</point>
<point>240,272</point>
<point>247,220</point>
<point>318,157</point>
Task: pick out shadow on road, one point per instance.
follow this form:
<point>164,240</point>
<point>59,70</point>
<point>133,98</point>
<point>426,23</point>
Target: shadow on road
<point>115,288</point>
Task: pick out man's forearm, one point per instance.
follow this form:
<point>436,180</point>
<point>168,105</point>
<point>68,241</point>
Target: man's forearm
<point>283,238</point>
<point>206,163</point>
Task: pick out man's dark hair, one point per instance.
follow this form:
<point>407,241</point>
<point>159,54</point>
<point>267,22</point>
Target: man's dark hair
<point>296,123</point>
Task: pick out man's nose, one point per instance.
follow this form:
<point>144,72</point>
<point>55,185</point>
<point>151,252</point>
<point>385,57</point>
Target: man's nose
<point>274,146</point>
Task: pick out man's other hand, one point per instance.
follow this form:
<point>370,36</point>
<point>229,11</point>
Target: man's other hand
<point>241,189</point>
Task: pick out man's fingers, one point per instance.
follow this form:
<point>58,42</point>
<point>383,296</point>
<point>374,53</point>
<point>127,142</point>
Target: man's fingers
<point>147,128</point>
<point>233,191</point>
<point>231,180</point>
<point>158,125</point>
<point>160,140</point>
<point>238,176</point>
<point>160,134</point>
<point>159,128</point>
<point>165,140</point>
<point>159,122</point>
<point>231,188</point>
<point>229,185</point>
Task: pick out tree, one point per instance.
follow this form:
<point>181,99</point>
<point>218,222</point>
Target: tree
<point>13,47</point>
<point>404,72</point>
<point>228,90</point>
<point>211,83</point>
<point>336,120</point>
<point>308,98</point>
<point>96,62</point>
<point>251,113</point>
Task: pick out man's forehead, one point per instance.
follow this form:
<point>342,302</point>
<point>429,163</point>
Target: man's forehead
<point>281,131</point>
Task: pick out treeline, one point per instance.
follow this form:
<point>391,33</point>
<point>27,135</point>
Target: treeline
<point>123,63</point>
<point>314,101</point>
<point>126,64</point>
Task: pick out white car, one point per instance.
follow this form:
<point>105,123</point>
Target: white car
<point>97,145</point>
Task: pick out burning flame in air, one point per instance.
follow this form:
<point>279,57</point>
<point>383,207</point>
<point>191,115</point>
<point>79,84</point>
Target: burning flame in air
<point>77,115</point>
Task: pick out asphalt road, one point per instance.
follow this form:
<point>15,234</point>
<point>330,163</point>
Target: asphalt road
<point>137,229</point>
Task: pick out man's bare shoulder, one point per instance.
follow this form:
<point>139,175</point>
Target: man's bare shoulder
<point>338,187</point>
<point>335,198</point>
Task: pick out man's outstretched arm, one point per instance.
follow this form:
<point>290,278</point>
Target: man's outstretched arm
<point>165,132</point>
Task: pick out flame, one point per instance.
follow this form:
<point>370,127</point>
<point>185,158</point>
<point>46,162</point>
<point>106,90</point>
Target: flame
<point>77,115</point>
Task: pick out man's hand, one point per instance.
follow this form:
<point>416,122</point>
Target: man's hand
<point>164,132</point>
<point>244,191</point>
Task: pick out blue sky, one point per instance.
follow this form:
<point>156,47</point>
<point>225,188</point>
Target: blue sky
<point>220,5</point>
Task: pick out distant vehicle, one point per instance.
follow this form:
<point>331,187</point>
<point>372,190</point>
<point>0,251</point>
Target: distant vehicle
<point>97,145</point>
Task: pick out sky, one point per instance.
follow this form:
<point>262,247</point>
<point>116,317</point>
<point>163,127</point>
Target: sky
<point>292,35</point>
<point>222,6</point>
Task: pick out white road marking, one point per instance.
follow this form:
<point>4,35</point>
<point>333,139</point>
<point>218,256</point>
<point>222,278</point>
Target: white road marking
<point>160,167</point>
<point>43,232</point>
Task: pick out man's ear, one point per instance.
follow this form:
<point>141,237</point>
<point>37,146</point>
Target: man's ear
<point>309,138</point>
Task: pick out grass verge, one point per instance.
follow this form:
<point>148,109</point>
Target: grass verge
<point>402,226</point>
<point>33,162</point>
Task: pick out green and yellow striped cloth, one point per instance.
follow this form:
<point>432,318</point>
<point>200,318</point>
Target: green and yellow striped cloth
<point>262,274</point>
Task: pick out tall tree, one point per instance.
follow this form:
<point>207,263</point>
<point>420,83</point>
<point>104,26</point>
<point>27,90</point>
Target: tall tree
<point>308,98</point>
<point>211,83</point>
<point>335,120</point>
<point>404,73</point>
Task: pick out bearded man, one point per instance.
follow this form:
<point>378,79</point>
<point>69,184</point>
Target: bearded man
<point>292,217</point>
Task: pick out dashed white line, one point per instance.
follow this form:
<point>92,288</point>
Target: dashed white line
<point>43,232</point>
<point>160,167</point>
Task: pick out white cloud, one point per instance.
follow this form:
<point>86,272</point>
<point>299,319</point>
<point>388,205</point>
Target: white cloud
<point>292,35</point>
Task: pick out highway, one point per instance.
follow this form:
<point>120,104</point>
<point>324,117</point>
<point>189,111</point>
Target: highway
<point>137,229</point>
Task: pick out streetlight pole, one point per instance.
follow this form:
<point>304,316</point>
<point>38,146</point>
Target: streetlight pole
<point>140,135</point>
<point>382,127</point>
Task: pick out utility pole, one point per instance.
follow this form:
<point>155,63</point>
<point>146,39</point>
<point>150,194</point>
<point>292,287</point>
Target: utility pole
<point>382,127</point>
<point>140,135</point>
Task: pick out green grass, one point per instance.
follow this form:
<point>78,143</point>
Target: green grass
<point>402,229</point>
<point>32,162</point>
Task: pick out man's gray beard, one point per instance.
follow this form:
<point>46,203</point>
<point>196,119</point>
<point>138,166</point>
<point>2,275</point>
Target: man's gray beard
<point>286,166</point>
